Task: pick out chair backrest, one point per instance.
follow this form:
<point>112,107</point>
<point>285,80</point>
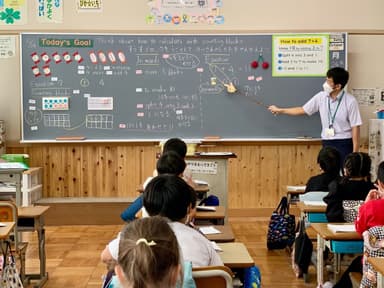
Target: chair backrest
<point>373,247</point>
<point>213,277</point>
<point>8,213</point>
<point>351,209</point>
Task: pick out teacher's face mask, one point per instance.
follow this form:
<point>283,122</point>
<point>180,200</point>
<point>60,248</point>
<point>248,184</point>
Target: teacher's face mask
<point>327,88</point>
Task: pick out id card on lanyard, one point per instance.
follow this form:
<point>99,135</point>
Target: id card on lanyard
<point>330,131</point>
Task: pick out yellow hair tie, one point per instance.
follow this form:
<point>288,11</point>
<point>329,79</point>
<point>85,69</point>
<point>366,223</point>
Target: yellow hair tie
<point>145,241</point>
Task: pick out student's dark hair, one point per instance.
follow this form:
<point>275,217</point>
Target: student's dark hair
<point>170,163</point>
<point>357,164</point>
<point>329,160</point>
<point>177,145</point>
<point>380,172</point>
<point>339,76</point>
<point>169,196</point>
<point>148,253</point>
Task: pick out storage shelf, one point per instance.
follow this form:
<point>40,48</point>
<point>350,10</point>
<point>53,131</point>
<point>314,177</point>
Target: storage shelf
<point>31,189</point>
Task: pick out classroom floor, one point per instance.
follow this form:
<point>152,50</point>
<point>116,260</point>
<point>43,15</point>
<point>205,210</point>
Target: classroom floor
<point>73,254</point>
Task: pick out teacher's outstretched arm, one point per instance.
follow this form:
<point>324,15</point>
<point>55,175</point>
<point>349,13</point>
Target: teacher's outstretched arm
<point>289,111</point>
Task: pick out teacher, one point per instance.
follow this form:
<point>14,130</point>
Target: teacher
<point>339,113</point>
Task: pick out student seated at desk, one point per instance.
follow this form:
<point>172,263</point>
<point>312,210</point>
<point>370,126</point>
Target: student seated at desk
<point>177,145</point>
<point>173,145</point>
<point>169,163</point>
<point>354,185</point>
<point>171,197</point>
<point>329,162</point>
<point>148,255</point>
<point>371,212</point>
<point>370,215</point>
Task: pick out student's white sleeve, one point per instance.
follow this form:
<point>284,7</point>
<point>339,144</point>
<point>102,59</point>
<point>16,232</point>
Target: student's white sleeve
<point>215,258</point>
<point>144,212</point>
<point>145,184</point>
<point>312,106</point>
<point>113,247</point>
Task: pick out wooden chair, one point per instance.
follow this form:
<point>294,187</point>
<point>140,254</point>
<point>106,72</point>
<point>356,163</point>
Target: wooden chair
<point>213,277</point>
<point>8,213</point>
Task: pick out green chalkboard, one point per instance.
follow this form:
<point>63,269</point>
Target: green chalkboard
<point>150,87</point>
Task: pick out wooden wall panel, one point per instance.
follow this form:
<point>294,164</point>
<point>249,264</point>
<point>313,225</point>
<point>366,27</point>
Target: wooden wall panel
<point>76,170</point>
<point>257,177</point>
<point>245,175</point>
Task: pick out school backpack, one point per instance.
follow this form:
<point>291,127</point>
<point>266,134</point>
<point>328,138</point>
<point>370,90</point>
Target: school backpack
<point>302,251</point>
<point>252,277</point>
<point>281,227</point>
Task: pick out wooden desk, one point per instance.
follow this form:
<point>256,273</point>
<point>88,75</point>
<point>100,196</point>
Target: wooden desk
<point>314,213</point>
<point>378,264</point>
<point>294,191</point>
<point>235,255</point>
<point>201,191</point>
<point>215,216</point>
<point>36,213</point>
<point>14,175</point>
<point>226,234</point>
<point>326,236</point>
<point>6,230</point>
<point>311,208</point>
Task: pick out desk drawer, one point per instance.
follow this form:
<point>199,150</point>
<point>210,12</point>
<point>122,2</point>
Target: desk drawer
<point>347,246</point>
<point>314,217</point>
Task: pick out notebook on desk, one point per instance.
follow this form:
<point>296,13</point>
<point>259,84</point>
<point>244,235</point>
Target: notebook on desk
<point>208,230</point>
<point>335,228</point>
<point>314,203</point>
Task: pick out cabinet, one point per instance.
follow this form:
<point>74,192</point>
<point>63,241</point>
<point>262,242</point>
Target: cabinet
<point>212,167</point>
<point>31,185</point>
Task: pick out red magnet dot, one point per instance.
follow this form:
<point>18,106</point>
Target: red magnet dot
<point>265,65</point>
<point>254,64</point>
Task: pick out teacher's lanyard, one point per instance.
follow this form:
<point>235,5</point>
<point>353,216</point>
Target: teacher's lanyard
<point>331,118</point>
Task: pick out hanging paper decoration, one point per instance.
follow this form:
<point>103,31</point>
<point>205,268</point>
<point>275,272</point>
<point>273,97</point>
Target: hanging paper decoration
<point>184,12</point>
<point>13,12</point>
<point>50,11</point>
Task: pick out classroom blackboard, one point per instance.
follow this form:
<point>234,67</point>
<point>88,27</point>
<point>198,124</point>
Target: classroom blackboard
<point>150,87</point>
